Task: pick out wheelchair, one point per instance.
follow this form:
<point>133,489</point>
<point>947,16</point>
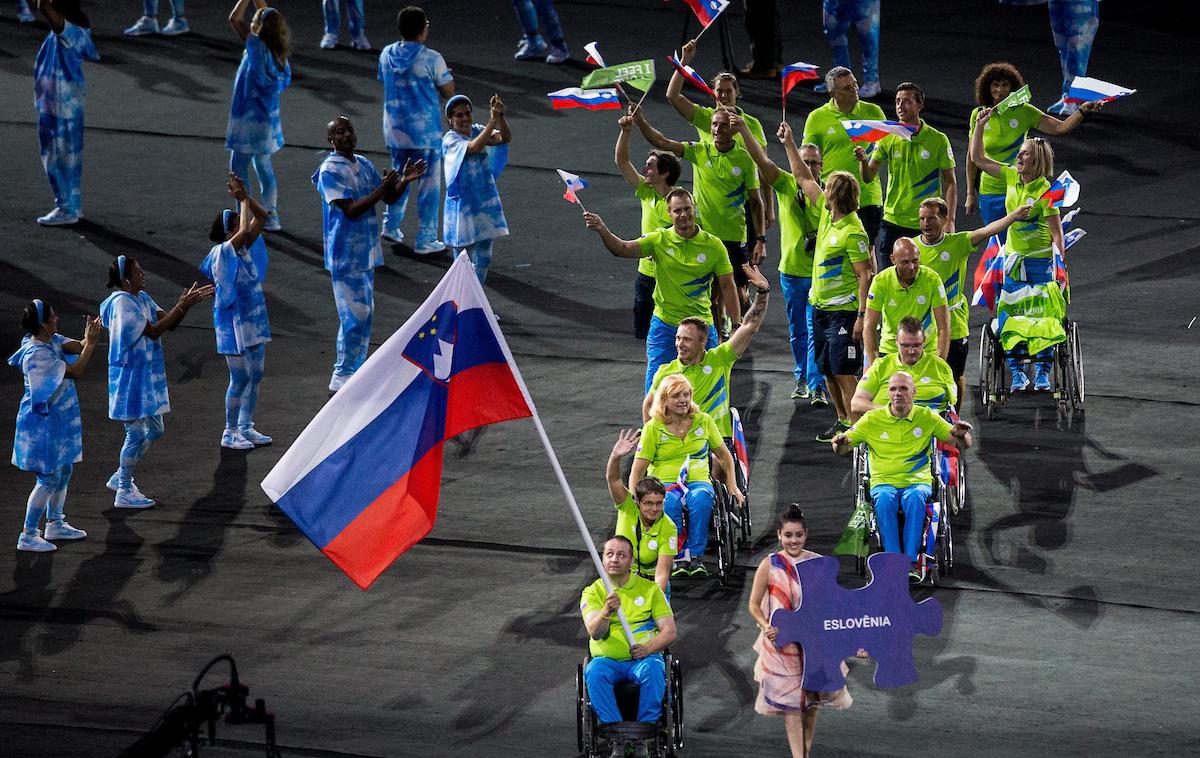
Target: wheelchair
<point>663,739</point>
<point>723,529</point>
<point>935,560</point>
<point>1067,378</point>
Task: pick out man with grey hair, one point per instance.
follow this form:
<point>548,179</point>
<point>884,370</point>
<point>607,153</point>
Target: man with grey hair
<point>823,128</point>
<point>899,440</point>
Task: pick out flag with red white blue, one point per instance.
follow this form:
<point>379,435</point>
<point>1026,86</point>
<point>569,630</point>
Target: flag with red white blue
<point>740,452</point>
<point>591,99</point>
<point>795,73</point>
<point>989,275</point>
<point>690,74</point>
<point>707,10</point>
<point>574,184</point>
<point>1063,192</point>
<point>1085,89</point>
<point>873,131</point>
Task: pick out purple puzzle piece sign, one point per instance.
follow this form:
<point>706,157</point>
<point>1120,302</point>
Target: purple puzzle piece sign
<point>832,622</point>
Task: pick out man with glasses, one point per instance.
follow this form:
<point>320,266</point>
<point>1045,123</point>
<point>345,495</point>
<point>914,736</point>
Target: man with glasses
<point>932,376</point>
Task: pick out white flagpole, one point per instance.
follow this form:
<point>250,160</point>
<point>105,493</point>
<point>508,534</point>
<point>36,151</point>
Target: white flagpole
<point>558,472</point>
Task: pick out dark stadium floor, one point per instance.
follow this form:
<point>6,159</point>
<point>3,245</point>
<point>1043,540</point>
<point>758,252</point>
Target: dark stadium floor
<point>1071,621</point>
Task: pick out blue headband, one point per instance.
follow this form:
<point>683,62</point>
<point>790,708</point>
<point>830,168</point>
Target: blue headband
<point>226,216</point>
<point>455,101</point>
<point>267,12</point>
<point>121,266</point>
<point>40,311</point>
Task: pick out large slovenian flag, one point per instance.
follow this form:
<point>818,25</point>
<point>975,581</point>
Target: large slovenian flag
<point>362,480</point>
<point>1084,89</point>
<point>690,74</point>
<point>795,73</point>
<point>989,275</point>
<point>707,10</point>
<point>1064,191</point>
<point>592,99</point>
<point>873,131</point>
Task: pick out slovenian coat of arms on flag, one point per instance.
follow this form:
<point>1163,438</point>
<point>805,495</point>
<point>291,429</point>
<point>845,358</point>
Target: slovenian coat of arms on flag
<point>362,480</point>
<point>873,131</point>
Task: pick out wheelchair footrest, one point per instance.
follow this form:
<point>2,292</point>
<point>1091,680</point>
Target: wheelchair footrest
<point>628,730</point>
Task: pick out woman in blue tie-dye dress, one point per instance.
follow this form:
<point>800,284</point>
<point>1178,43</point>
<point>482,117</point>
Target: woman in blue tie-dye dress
<point>473,156</point>
<point>137,378</point>
<point>49,437</point>
<point>254,131</point>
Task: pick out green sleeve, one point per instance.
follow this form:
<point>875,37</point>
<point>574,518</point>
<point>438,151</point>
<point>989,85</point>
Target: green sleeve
<point>659,607</point>
<point>721,264</point>
<point>712,433</point>
<point>691,151</point>
<point>858,247</point>
<point>855,435</point>
<point>723,355</point>
<point>883,149</point>
<point>948,380</point>
<point>647,243</point>
<point>669,534</point>
<point>1048,209</point>
<point>648,444</point>
<point>941,427</point>
<point>946,159</point>
<point>786,184</point>
<point>644,191</point>
<point>870,380</point>
<point>1030,115</point>
<point>591,601</point>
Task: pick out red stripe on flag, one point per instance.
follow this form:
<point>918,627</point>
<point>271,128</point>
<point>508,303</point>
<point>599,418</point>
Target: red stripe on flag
<point>484,394</point>
<point>397,519</point>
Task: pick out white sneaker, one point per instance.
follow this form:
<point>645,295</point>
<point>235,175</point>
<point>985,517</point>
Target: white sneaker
<point>869,89</point>
<point>24,15</point>
<point>32,542</point>
<point>328,41</point>
<point>272,223</point>
<point>176,26</point>
<point>61,530</point>
<point>58,217</point>
<point>338,381</point>
<point>143,26</point>
<point>255,437</point>
<point>392,235</point>
<point>234,440</point>
<point>437,246</point>
<point>360,42</point>
<point>131,498</point>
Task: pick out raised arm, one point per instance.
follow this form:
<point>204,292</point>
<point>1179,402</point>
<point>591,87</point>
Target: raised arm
<point>624,165</point>
<point>617,246</point>
<point>625,444</point>
<point>999,225</point>
<point>804,176</point>
<point>767,169</point>
<point>1056,126</point>
<point>495,132</point>
<point>950,195</point>
<point>754,317</point>
<point>91,335</point>
<point>638,471</point>
<point>654,136</point>
<point>679,101</point>
<point>237,17</point>
<point>975,151</point>
<point>251,214</point>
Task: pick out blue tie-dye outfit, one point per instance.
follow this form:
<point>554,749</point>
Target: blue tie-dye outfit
<point>1074,24</point>
<point>137,377</point>
<point>837,16</point>
<point>473,217</point>
<point>59,93</point>
<point>354,16</point>
<point>49,436</point>
<point>150,8</point>
<point>254,130</point>
<point>240,323</point>
<point>352,252</point>
<point>411,74</point>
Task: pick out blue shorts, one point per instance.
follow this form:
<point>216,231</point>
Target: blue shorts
<point>838,353</point>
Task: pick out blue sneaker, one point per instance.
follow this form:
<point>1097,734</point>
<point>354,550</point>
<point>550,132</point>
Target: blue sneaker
<point>1019,381</point>
<point>530,48</point>
<point>1041,378</point>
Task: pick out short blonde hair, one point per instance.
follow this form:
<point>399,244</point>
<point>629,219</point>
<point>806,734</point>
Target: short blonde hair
<point>1043,156</point>
<point>841,188</point>
<point>671,385</point>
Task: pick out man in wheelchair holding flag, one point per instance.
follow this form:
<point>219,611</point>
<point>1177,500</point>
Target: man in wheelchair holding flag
<point>899,439</point>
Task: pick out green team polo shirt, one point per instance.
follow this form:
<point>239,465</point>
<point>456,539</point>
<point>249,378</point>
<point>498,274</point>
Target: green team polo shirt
<point>1002,138</point>
<point>948,257</point>
<point>914,172</point>
<point>1029,237</point>
<point>931,375</point>
<point>643,603</point>
<point>667,453</point>
<point>721,182</point>
<point>684,272</point>
<point>840,245</point>
<point>710,383</point>
<point>797,218</point>
<point>823,128</point>
<point>654,216</point>
<point>894,302</point>
<point>899,446</point>
<point>660,538</point>
<point>702,120</point>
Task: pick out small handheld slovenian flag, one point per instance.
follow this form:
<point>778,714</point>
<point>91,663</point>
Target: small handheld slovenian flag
<point>797,72</point>
<point>1084,89</point>
<point>873,131</point>
<point>591,99</point>
<point>1063,192</point>
<point>690,74</point>
<point>593,54</point>
<point>707,10</point>
<point>989,275</point>
<point>574,184</point>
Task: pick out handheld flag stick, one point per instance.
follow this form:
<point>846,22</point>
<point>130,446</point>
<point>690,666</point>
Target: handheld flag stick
<point>639,102</point>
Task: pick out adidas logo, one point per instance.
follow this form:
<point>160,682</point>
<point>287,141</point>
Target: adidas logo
<point>842,331</point>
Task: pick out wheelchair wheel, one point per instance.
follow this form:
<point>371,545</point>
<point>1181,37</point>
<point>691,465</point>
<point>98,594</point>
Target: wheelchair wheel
<point>945,546</point>
<point>991,372</point>
<point>670,733</point>
<point>722,532</point>
<point>960,488</point>
<point>1078,390</point>
<point>585,717</point>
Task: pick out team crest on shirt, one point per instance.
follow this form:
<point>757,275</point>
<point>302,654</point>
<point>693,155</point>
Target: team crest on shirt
<point>736,171</point>
<point>1012,123</point>
<point>833,240</point>
<point>924,154</point>
<point>945,255</point>
<point>701,258</point>
<point>639,601</point>
<point>653,544</point>
<point>920,299</point>
<point>708,369</point>
<point>918,431</point>
<point>699,432</point>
